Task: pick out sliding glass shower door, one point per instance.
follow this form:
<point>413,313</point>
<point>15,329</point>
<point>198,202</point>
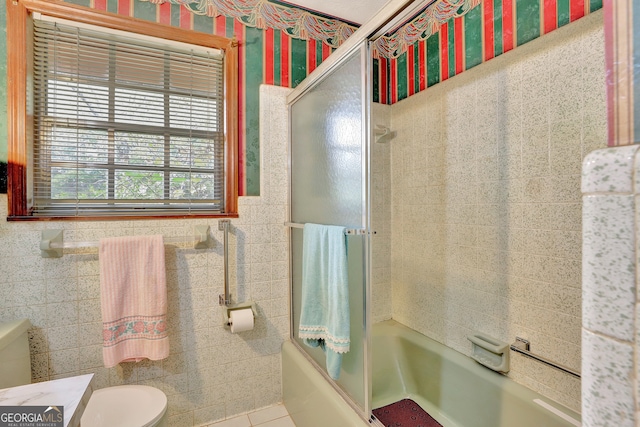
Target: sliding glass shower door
<point>329,185</point>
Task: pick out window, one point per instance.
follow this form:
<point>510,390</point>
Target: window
<point>124,125</point>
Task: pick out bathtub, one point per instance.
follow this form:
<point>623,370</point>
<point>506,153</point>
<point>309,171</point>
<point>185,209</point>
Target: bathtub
<point>451,387</point>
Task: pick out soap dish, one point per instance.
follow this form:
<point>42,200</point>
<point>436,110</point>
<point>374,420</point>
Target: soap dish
<point>490,352</point>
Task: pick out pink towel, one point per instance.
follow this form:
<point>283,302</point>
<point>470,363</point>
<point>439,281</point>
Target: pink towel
<point>133,292</point>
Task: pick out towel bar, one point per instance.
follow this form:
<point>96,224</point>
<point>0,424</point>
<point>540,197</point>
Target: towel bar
<point>52,241</point>
<point>348,231</point>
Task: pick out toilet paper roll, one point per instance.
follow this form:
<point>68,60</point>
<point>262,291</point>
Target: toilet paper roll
<point>241,320</point>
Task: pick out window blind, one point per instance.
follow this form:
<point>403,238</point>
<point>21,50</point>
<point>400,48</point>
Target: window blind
<point>125,126</point>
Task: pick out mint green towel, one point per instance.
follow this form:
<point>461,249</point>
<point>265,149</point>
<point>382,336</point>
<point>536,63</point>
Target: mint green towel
<point>324,318</point>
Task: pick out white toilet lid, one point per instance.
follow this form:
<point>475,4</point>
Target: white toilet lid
<point>125,406</point>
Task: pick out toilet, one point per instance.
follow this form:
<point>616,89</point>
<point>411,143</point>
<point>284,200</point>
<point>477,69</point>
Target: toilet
<point>126,406</point>
<point>121,406</point>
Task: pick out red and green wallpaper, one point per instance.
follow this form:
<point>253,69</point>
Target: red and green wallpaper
<point>281,45</point>
<point>487,30</point>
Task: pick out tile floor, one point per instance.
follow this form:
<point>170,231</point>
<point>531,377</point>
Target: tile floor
<point>273,416</point>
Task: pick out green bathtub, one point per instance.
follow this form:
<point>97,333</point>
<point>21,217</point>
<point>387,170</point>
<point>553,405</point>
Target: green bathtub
<point>452,388</point>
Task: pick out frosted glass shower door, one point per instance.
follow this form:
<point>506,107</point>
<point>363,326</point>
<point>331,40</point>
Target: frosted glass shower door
<point>329,130</point>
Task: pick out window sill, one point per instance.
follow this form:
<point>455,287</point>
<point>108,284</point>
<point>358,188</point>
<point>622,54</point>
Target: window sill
<point>119,218</point>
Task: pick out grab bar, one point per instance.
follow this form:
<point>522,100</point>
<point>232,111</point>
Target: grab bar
<point>225,299</point>
<point>348,231</point>
<point>522,346</point>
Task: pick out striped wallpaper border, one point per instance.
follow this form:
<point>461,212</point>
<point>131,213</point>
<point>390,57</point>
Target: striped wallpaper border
<point>490,29</point>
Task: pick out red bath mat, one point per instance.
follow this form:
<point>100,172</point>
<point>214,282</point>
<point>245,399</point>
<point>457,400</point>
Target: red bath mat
<point>405,413</point>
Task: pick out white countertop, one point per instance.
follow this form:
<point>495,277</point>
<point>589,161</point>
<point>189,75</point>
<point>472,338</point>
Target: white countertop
<point>71,393</point>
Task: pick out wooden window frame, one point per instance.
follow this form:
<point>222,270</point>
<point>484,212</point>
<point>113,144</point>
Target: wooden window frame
<point>20,101</point>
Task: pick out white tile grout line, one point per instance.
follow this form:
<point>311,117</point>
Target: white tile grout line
<point>249,419</point>
<point>279,418</point>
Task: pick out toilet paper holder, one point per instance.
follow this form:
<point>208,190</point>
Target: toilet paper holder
<point>228,309</point>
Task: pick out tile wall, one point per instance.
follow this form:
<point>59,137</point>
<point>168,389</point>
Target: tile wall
<point>610,330</point>
<point>381,290</point>
<point>486,204</point>
<point>210,374</point>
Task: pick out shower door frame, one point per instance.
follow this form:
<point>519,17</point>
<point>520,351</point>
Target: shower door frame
<point>366,82</point>
<point>394,13</point>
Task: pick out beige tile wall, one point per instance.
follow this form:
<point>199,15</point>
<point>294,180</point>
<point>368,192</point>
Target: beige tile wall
<point>210,374</point>
<point>486,203</point>
<point>381,290</point>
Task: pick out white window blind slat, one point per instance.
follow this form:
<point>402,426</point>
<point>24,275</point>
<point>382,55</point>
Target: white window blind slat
<point>124,126</point>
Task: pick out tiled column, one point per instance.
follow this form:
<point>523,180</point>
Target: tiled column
<point>611,205</point>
